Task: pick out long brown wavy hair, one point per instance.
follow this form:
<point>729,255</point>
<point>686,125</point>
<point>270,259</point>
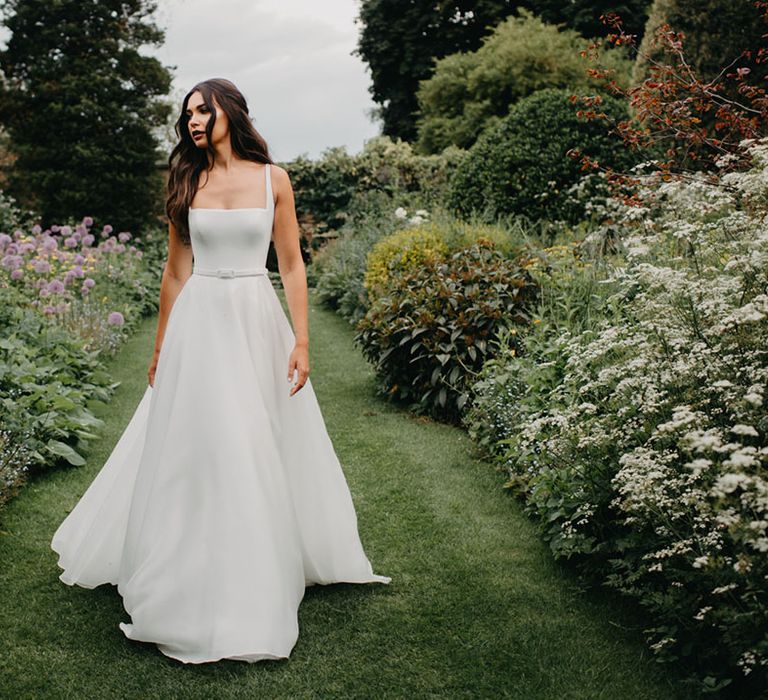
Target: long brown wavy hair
<point>187,161</point>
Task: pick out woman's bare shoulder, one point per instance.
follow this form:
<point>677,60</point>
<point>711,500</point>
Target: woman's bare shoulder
<point>281,181</point>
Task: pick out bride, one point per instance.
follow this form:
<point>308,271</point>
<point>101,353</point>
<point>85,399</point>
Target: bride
<point>223,498</point>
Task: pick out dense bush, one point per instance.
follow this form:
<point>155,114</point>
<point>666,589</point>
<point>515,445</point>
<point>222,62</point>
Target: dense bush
<point>48,385</point>
<point>639,437</point>
<point>433,326</point>
<point>326,188</point>
<point>521,166</point>
<point>470,91</point>
<point>404,251</point>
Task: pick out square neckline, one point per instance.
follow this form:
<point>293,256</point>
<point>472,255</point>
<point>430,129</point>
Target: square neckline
<point>267,194</point>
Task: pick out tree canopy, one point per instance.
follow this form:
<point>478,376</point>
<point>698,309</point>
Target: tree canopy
<point>400,41</point>
<point>469,92</point>
<point>80,102</point>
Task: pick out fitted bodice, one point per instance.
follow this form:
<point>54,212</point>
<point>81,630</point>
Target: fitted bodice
<point>235,239</point>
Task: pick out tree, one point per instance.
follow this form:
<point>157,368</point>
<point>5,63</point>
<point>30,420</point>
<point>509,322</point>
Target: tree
<point>400,41</point>
<point>469,92</point>
<point>79,102</point>
<point>714,33</point>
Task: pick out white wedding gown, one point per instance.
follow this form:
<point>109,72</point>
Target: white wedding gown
<point>223,498</point>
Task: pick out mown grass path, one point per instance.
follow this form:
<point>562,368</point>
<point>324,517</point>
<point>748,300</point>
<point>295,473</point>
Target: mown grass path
<point>476,608</point>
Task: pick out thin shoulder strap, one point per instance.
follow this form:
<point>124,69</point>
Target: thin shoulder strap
<point>268,175</point>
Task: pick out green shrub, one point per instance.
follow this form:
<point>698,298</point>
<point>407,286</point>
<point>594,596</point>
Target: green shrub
<point>639,437</point>
<point>434,326</point>
<point>403,251</point>
<point>521,166</point>
<point>470,91</point>
<point>326,189</point>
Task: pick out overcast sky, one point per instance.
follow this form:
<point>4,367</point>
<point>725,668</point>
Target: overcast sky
<point>290,58</point>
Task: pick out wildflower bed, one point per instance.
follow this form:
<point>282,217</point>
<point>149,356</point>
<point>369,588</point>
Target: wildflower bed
<point>639,438</point>
<point>68,297</point>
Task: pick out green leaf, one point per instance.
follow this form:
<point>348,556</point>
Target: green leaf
<point>66,451</point>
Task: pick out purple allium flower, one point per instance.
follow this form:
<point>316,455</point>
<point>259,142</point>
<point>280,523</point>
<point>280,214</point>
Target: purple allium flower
<point>70,242</point>
<point>124,236</point>
<point>85,291</point>
<point>139,254</point>
<point>42,266</point>
<point>35,302</point>
<point>78,270</point>
<point>5,239</point>
<point>87,221</point>
<point>55,286</point>
<point>89,282</point>
<point>48,310</point>
<point>49,244</point>
<point>106,230</point>
<point>79,259</point>
<point>36,229</point>
<point>120,248</point>
<point>55,228</point>
<point>88,239</point>
<point>44,292</point>
<point>18,233</point>
<point>17,274</point>
<point>12,248</point>
<point>66,230</point>
<point>115,319</point>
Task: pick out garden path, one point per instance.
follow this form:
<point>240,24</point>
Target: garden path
<point>476,608</point>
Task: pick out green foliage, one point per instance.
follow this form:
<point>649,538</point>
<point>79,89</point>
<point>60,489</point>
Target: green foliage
<point>522,166</point>
<point>398,41</point>
<point>48,385</point>
<point>338,268</point>
<point>716,32</point>
<point>469,92</point>
<point>634,420</point>
<point>404,251</point>
<point>79,101</point>
<point>584,15</point>
<point>434,326</point>
<point>327,188</point>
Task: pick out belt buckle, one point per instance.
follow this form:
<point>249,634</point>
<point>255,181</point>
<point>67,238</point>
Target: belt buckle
<point>225,272</point>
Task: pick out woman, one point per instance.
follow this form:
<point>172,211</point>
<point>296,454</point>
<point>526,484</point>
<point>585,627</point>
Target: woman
<point>224,497</point>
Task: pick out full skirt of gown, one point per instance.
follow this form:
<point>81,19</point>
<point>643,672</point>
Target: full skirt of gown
<point>223,498</point>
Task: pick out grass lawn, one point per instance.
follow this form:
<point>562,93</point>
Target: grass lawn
<point>476,607</point>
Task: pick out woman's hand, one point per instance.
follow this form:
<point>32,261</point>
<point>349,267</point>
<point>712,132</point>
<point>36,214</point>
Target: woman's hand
<point>152,369</point>
<point>298,362</point>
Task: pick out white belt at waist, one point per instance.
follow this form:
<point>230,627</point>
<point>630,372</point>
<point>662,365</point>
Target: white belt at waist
<point>228,271</point>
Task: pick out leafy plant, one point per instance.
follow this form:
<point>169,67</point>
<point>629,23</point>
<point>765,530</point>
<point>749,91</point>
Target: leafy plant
<point>434,326</point>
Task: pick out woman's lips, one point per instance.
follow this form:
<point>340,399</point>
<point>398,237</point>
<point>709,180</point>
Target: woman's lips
<point>197,136</point>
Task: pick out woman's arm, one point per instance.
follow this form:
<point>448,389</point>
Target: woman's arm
<point>285,233</point>
<point>177,270</point>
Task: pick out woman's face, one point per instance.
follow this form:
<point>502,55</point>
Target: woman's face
<point>198,114</point>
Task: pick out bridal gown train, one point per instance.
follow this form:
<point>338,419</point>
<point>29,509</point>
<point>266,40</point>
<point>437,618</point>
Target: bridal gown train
<point>223,497</point>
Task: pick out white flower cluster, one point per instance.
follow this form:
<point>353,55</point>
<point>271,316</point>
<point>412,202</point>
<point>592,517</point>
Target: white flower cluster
<point>419,217</point>
<point>669,401</point>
